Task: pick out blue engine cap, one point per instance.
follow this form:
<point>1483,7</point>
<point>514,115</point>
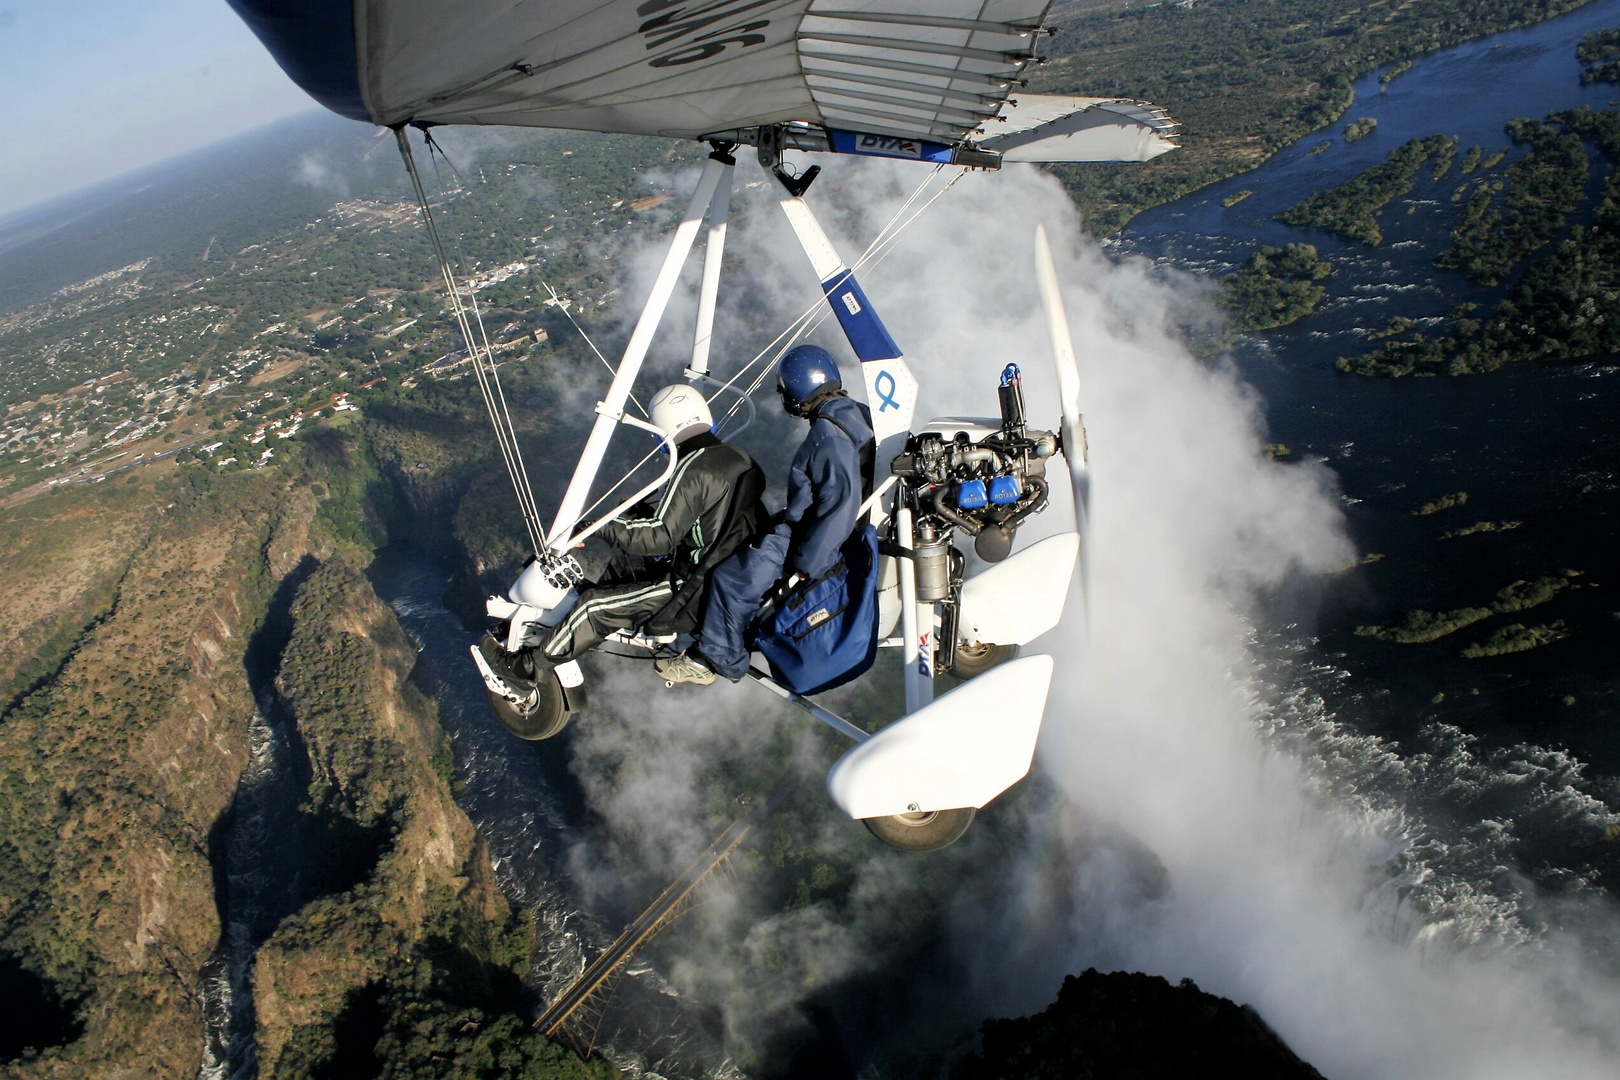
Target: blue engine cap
<point>1005,489</point>
<point>970,495</point>
<point>1010,375</point>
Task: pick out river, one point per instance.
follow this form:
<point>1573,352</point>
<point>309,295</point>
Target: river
<point>1534,443</point>
<point>528,810</point>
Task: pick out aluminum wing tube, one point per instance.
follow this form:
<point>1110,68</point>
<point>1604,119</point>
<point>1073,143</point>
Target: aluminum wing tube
<point>1046,127</point>
<point>611,407</point>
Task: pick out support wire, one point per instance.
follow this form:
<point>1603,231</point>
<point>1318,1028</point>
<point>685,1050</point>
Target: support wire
<point>479,356</point>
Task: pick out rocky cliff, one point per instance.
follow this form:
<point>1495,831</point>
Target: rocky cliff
<point>114,772</point>
<point>412,967</point>
<point>117,777</point>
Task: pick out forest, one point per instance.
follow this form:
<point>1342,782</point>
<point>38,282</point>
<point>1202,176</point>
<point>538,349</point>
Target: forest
<point>1350,210</point>
<point>1276,286</point>
<point>1599,54</point>
<point>1543,188</point>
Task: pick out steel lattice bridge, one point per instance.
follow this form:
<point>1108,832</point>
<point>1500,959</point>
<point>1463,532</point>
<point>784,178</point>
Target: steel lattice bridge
<point>575,1018</point>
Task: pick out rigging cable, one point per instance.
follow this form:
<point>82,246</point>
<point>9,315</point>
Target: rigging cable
<point>898,224</point>
<point>488,380</point>
<point>562,305</point>
<point>480,353</point>
<point>433,145</point>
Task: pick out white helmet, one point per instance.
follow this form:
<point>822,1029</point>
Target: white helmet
<point>680,408</point>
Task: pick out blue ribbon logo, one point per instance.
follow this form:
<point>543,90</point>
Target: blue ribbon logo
<point>885,387</point>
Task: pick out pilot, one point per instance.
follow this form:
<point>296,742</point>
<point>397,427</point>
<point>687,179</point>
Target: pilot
<point>831,474</point>
<point>710,508</point>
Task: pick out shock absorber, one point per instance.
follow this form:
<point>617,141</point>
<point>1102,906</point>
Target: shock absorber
<point>1011,395</point>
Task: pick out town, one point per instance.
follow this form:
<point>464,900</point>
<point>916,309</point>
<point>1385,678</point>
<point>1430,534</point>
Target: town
<point>211,362</point>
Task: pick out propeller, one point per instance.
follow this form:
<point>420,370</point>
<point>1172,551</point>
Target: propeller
<point>1073,430</point>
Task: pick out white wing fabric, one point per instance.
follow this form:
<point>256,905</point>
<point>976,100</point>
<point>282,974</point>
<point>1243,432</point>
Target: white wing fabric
<point>934,70</point>
<point>931,69</point>
<point>1044,127</point>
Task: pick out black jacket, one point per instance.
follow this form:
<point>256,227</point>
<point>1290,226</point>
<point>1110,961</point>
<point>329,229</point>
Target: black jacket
<point>710,508</point>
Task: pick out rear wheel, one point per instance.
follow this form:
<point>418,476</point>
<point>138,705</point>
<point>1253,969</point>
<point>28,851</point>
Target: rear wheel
<point>974,660</point>
<point>927,831</point>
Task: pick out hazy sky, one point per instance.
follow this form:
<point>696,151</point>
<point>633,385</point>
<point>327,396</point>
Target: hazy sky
<point>99,87</point>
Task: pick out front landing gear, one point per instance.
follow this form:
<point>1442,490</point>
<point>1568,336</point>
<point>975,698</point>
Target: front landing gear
<point>524,693</point>
<point>540,719</point>
<point>928,831</point>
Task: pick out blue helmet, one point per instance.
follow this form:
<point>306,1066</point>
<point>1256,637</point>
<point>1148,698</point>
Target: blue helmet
<point>806,374</point>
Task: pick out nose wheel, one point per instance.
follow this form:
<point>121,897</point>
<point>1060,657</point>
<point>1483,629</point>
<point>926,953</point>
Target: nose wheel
<point>927,830</point>
<point>542,716</point>
<point>523,690</point>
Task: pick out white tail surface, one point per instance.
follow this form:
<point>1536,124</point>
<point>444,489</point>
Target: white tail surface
<point>963,750</point>
<point>1022,597</point>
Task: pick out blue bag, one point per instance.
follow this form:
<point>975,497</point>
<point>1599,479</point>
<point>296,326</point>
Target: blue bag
<point>824,633</point>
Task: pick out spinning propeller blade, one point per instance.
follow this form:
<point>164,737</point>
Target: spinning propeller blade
<point>1068,377</point>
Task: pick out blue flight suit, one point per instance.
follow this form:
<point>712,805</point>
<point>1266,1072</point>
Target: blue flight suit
<point>824,500</point>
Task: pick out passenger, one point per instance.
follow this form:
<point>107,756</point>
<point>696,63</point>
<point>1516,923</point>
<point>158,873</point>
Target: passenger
<point>710,508</point>
<point>831,473</point>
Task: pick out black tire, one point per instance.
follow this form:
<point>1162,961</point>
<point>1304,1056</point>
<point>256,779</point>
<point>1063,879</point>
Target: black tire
<point>974,660</point>
<point>921,832</point>
<point>547,717</point>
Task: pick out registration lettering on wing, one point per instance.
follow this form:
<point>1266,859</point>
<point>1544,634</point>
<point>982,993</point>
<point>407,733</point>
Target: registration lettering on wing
<point>691,31</point>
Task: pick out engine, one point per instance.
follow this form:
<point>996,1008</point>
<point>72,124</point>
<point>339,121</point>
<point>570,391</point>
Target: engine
<point>969,474</point>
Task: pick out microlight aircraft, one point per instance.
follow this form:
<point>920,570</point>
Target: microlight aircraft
<point>933,81</point>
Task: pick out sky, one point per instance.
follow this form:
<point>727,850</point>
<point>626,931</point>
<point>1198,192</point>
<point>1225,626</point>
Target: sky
<point>100,87</point>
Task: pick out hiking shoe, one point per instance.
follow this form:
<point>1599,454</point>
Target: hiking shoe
<point>684,669</point>
<point>511,675</point>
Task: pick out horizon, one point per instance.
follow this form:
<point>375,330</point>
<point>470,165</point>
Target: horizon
<point>110,88</point>
<point>199,152</point>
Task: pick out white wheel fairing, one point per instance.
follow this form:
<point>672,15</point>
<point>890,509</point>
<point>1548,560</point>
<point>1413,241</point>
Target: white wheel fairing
<point>1022,597</point>
<point>961,751</point>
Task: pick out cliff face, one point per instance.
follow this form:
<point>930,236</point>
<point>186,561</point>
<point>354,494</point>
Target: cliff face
<point>410,866</point>
<point>1131,1024</point>
<point>65,555</point>
<point>409,964</point>
<point>118,772</point>
<point>113,773</point>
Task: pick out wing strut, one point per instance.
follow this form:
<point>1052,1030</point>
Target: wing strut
<point>610,410</point>
<point>891,389</point>
<point>891,392</point>
<point>713,253</point>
